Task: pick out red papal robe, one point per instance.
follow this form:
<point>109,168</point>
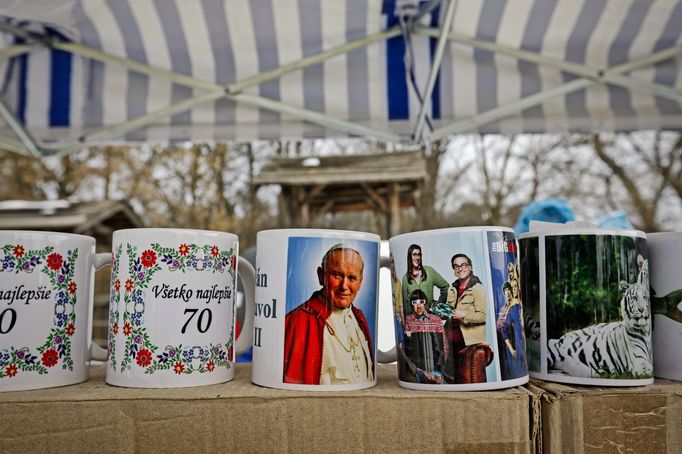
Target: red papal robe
<point>303,338</point>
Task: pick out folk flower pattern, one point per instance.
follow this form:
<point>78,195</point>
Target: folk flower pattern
<point>148,258</point>
<point>54,261</point>
<point>50,357</point>
<point>11,370</point>
<point>114,302</point>
<point>138,347</point>
<point>56,349</point>
<point>143,357</point>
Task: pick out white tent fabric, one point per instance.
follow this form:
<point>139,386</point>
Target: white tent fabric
<point>581,68</point>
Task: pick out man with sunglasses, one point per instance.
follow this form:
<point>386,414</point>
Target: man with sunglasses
<point>425,345</point>
<point>466,327</point>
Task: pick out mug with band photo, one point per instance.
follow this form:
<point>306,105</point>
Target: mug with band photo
<point>458,310</point>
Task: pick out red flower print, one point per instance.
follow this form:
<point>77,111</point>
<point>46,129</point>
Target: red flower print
<point>229,354</point>
<point>18,250</point>
<point>215,251</point>
<point>148,258</point>
<point>54,261</point>
<point>233,262</point>
<point>70,329</point>
<point>117,284</point>
<point>127,329</point>
<point>72,287</point>
<point>183,249</point>
<point>129,285</point>
<point>114,328</point>
<point>210,365</point>
<point>178,367</point>
<point>143,358</point>
<point>11,370</point>
<point>50,357</point>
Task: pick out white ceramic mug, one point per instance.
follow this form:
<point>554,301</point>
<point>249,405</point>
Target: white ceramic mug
<point>46,298</point>
<point>587,296</point>
<point>665,263</point>
<point>458,310</point>
<point>172,308</point>
<point>316,309</point>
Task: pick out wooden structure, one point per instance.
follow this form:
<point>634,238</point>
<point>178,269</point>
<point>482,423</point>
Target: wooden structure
<point>95,219</point>
<point>312,186</point>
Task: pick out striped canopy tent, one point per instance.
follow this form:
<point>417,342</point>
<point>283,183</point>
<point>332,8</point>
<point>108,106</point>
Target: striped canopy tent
<point>81,72</point>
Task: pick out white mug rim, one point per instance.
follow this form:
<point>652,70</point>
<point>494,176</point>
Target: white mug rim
<point>584,231</point>
<point>664,234</point>
<point>172,230</point>
<point>48,232</point>
<point>446,230</point>
<point>318,232</point>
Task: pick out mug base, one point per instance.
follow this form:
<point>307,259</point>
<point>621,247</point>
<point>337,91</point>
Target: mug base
<point>28,386</point>
<point>315,388</point>
<point>570,380</point>
<point>147,382</point>
<point>467,386</point>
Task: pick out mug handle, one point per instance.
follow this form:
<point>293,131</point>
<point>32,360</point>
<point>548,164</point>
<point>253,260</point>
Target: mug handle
<point>391,355</point>
<point>248,276</point>
<point>96,352</point>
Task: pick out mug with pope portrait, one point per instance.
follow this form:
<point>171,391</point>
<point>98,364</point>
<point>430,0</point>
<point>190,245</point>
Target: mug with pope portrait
<point>316,309</point>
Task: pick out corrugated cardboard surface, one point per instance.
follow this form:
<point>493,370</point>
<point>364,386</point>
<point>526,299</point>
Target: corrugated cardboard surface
<point>582,419</point>
<point>241,417</point>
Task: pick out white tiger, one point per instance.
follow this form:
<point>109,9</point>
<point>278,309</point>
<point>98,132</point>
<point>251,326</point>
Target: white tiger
<point>532,326</point>
<point>618,348</point>
<point>643,276</point>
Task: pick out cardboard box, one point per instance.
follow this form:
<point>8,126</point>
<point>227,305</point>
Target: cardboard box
<point>241,417</point>
<point>582,419</point>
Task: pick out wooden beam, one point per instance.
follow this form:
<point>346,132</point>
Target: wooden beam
<point>394,226</point>
<point>329,204</point>
<point>314,191</point>
<point>381,203</point>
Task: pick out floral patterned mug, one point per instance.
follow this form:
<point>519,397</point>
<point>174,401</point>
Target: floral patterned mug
<point>172,308</point>
<point>46,301</point>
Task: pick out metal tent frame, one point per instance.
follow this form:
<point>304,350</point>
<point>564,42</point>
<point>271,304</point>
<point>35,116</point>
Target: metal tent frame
<point>587,75</point>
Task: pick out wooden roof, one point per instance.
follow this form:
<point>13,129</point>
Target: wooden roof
<point>345,169</point>
<point>85,218</point>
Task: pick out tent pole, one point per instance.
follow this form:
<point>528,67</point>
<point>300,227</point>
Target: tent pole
<point>529,101</point>
<point>312,60</point>
<point>254,100</point>
<point>232,91</point>
<point>19,130</point>
<point>435,68</point>
<point>182,79</point>
<point>585,71</point>
<point>18,49</point>
<point>15,147</point>
<point>120,129</point>
<point>317,118</point>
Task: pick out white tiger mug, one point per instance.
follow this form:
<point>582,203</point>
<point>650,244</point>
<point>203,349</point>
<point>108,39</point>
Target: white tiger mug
<point>172,308</point>
<point>587,296</point>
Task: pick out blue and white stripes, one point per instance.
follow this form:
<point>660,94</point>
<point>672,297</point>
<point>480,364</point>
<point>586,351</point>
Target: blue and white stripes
<point>60,96</point>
